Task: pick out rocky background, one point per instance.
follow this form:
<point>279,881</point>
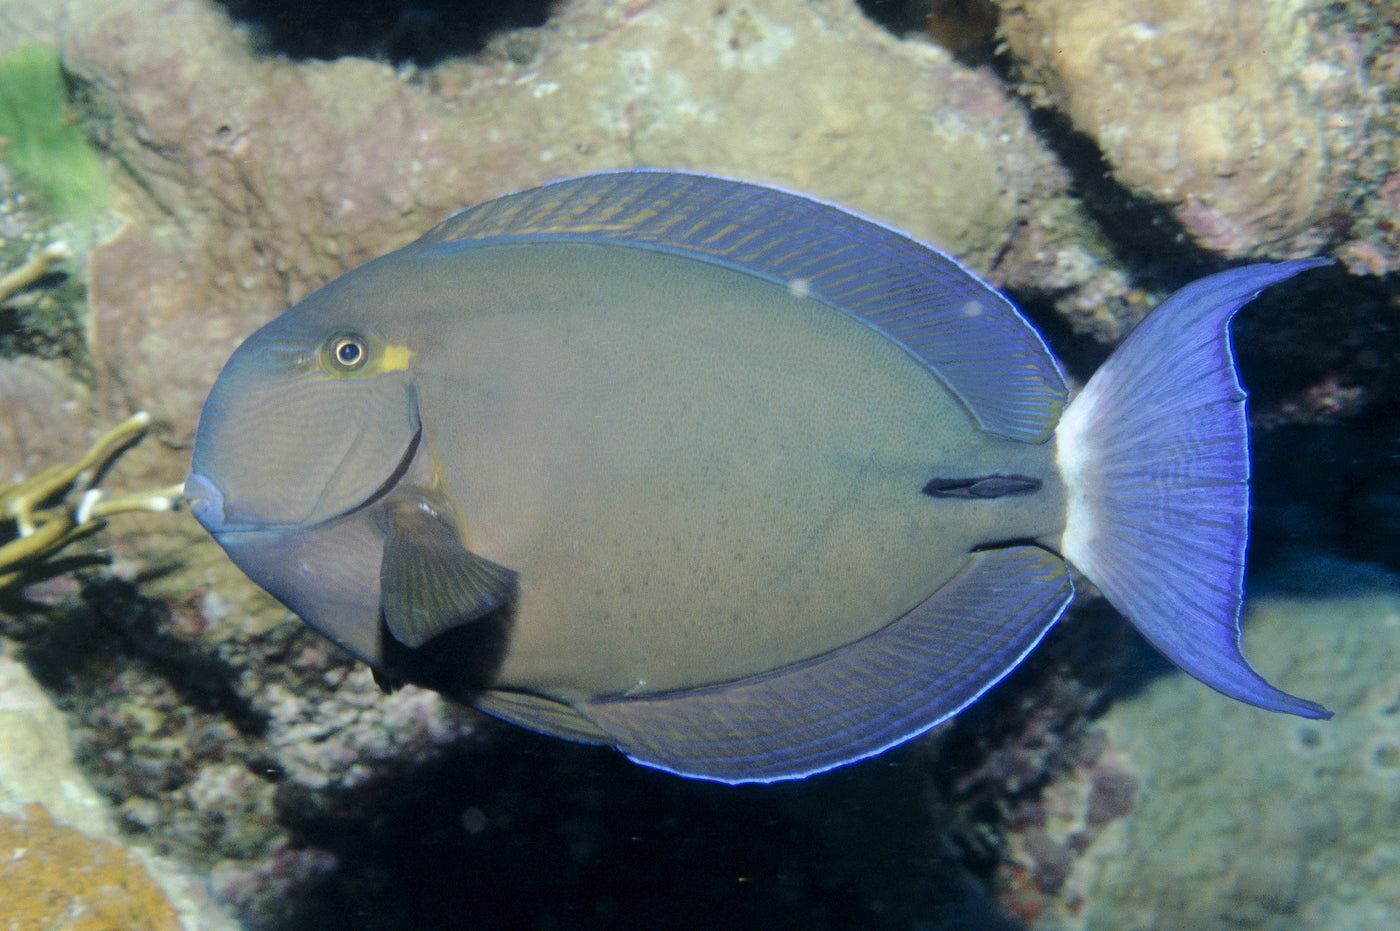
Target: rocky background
<point>1087,157</point>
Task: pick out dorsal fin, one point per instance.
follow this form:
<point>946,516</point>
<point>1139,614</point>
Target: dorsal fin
<point>963,329</point>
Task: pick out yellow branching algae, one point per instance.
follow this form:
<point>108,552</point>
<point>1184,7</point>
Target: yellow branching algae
<point>54,876</point>
<point>32,269</point>
<point>43,512</point>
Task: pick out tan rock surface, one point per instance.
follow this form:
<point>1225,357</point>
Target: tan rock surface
<point>1197,104</point>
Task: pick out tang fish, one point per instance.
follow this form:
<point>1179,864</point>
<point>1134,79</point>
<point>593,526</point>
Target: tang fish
<point>733,480</point>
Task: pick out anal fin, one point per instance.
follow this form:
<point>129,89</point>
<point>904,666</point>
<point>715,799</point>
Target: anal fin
<point>860,699</point>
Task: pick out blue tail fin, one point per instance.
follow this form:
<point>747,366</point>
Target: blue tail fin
<point>1155,455</point>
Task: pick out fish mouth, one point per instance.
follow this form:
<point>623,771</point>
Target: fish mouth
<point>208,504</point>
<point>206,501</point>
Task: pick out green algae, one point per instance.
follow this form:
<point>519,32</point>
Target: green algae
<point>45,148</point>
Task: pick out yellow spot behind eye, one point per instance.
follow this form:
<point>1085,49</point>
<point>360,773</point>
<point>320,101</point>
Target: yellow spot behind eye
<point>394,359</point>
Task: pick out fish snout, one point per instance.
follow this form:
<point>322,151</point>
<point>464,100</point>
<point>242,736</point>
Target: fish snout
<point>206,502</point>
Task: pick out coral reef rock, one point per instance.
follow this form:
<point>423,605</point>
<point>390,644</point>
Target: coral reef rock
<point>254,179</point>
<point>61,862</point>
<point>222,729</point>
<point>55,876</point>
<point>1217,109</point>
<point>1249,820</point>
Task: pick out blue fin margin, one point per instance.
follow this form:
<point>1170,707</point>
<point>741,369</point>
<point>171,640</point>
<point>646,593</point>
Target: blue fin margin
<point>1154,453</point>
<point>860,699</point>
<point>973,339</point>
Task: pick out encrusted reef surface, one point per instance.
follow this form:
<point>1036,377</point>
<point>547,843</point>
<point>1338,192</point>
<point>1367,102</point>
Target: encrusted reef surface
<point>1234,140</point>
<point>1243,821</point>
<point>1102,155</point>
<point>1271,129</point>
<point>63,864</point>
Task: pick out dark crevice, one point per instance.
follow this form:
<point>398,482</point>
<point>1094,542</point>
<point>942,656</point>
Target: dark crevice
<point>116,620</point>
<point>967,28</point>
<point>204,681</point>
<point>420,33</point>
<point>1077,351</point>
<point>1324,496</point>
<point>1145,235</point>
<point>541,833</point>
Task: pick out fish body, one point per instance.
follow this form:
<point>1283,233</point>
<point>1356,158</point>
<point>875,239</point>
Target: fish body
<point>731,479</point>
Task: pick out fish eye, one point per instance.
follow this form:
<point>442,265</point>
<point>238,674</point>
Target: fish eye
<point>347,352</point>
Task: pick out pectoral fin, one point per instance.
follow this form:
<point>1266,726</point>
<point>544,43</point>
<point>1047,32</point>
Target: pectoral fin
<point>431,583</point>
